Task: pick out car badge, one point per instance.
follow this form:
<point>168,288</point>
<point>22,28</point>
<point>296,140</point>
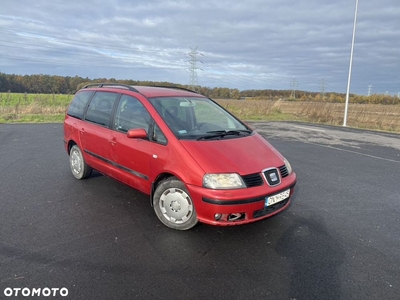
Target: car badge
<point>273,177</point>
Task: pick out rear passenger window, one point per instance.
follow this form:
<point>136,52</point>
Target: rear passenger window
<point>100,108</point>
<point>131,114</point>
<point>78,104</point>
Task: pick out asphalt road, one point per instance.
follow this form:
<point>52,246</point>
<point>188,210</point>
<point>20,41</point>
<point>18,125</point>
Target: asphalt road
<point>99,239</point>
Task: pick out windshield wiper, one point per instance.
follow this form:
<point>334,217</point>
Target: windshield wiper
<point>221,133</point>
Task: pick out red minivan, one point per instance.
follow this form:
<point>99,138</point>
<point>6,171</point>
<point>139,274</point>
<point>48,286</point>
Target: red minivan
<point>197,161</point>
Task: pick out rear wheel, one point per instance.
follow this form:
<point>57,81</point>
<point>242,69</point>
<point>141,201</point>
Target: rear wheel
<point>173,205</point>
<point>79,168</point>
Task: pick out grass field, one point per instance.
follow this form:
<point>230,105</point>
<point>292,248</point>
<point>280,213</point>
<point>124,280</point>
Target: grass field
<point>34,108</point>
<point>367,116</point>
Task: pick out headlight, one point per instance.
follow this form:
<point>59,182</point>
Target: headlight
<point>223,181</point>
<point>288,166</point>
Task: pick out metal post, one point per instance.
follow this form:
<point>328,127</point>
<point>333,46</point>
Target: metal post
<point>351,63</point>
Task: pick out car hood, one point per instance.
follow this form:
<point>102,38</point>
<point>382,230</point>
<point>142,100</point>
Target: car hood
<point>244,155</point>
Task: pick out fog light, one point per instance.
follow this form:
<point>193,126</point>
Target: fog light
<point>217,217</point>
<point>236,217</point>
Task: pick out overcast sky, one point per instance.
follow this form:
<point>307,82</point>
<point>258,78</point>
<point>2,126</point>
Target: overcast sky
<point>252,44</point>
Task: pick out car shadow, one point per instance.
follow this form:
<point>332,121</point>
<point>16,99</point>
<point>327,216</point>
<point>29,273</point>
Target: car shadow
<point>315,257</point>
<point>96,174</point>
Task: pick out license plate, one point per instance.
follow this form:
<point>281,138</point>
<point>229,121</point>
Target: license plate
<point>271,200</point>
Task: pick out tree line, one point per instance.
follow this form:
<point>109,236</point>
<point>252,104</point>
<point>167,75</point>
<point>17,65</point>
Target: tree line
<point>53,84</point>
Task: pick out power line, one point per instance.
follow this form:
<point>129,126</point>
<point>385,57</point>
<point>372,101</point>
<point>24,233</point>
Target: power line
<point>51,39</point>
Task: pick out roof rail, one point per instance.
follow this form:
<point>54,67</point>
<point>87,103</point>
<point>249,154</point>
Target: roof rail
<point>176,87</point>
<point>129,87</point>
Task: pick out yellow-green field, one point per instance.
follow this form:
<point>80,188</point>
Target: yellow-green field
<point>33,107</point>
<point>51,108</point>
<point>367,116</point>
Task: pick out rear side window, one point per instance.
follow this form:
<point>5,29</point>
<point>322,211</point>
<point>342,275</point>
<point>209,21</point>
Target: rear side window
<point>78,104</point>
<point>100,108</point>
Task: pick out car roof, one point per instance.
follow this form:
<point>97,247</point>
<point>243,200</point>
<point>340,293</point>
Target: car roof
<point>147,91</point>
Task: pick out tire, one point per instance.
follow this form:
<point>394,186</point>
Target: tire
<point>79,168</point>
<point>173,205</point>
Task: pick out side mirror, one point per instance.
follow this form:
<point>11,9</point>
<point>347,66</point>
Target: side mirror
<point>138,133</point>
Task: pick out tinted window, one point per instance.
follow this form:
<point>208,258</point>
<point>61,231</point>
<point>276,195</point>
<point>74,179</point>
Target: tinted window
<point>131,114</point>
<point>77,107</point>
<point>100,108</point>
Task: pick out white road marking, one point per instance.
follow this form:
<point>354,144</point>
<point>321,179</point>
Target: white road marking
<point>308,128</point>
<point>354,152</point>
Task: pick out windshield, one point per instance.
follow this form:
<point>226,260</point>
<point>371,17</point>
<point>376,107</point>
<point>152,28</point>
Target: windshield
<point>198,118</point>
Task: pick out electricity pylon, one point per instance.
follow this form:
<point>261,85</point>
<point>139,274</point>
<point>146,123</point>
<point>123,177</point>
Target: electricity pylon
<point>193,68</point>
<point>294,84</point>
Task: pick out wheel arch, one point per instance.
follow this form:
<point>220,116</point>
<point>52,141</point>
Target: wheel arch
<point>156,182</point>
<point>71,143</point>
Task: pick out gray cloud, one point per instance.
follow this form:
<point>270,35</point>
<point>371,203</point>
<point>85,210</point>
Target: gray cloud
<point>247,45</point>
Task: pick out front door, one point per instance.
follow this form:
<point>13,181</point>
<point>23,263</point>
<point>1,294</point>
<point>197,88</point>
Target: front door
<point>131,155</point>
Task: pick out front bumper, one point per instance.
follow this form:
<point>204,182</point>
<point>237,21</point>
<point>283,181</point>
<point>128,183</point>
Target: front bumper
<point>241,206</point>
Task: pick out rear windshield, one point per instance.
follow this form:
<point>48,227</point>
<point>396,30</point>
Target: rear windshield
<point>198,118</point>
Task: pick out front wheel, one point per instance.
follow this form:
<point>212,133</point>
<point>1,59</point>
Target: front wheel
<point>79,168</point>
<point>173,205</point>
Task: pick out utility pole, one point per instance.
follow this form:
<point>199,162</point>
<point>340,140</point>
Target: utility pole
<point>323,88</point>
<point>369,90</point>
<point>193,67</point>
<point>350,66</point>
<point>294,84</point>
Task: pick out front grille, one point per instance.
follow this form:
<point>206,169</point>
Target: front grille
<point>284,171</point>
<point>272,176</point>
<point>255,179</point>
<point>252,180</point>
<point>270,209</point>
